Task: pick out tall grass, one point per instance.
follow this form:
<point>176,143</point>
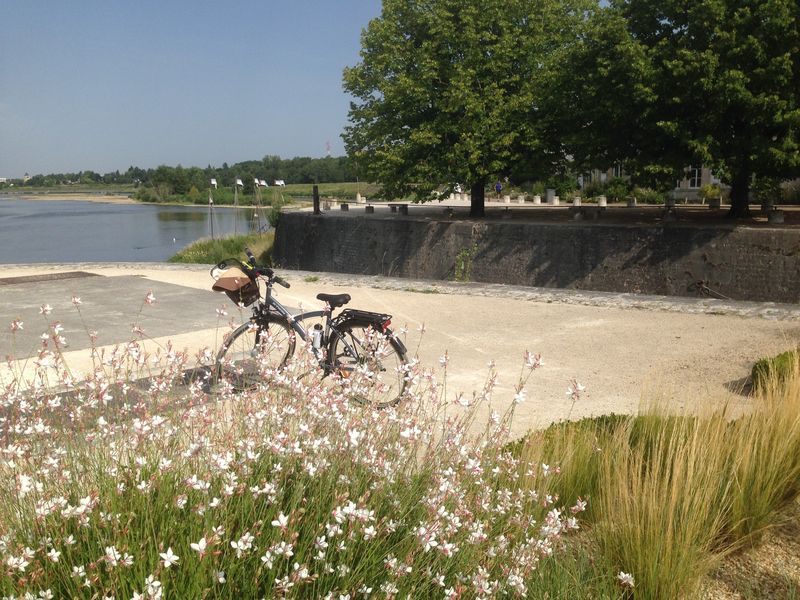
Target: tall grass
<point>672,495</point>
<point>662,503</point>
<point>211,252</point>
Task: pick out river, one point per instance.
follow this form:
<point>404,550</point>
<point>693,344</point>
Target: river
<point>44,231</point>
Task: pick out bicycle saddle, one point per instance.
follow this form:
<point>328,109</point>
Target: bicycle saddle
<point>335,300</point>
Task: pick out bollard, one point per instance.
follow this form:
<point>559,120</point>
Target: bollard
<point>602,201</point>
<point>576,201</point>
<point>344,206</point>
<point>369,209</point>
<point>537,200</point>
<point>775,216</point>
<point>403,209</point>
<point>315,193</point>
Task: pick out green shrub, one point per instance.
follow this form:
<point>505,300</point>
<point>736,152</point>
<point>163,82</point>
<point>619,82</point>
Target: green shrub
<point>617,188</point>
<point>648,195</point>
<point>791,192</point>
<point>710,192</point>
<point>210,252</point>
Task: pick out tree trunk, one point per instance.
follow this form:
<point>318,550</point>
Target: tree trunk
<point>740,192</point>
<point>476,205</point>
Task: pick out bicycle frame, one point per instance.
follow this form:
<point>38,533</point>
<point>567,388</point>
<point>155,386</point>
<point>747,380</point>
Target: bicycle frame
<point>269,305</point>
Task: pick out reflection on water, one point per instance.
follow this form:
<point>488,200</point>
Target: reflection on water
<point>170,215</point>
<point>66,231</point>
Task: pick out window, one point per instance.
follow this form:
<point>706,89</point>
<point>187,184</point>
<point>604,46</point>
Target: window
<point>694,174</point>
<point>617,171</point>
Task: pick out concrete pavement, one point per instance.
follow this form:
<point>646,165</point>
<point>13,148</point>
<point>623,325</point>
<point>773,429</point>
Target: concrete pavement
<point>622,347</point>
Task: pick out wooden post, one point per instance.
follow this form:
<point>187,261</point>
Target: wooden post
<point>315,192</point>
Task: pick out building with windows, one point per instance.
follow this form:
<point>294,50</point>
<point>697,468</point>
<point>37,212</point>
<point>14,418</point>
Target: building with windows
<point>688,188</point>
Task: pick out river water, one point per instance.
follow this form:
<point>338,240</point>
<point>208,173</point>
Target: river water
<point>39,231</point>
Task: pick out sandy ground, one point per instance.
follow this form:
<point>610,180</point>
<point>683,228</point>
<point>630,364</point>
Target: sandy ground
<point>78,197</point>
<point>621,355</point>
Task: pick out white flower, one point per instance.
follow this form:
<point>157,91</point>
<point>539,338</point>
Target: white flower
<point>519,398</point>
<point>150,298</point>
<point>112,556</point>
<point>575,389</point>
<point>153,587</point>
<point>199,547</point>
<point>354,436</point>
<point>169,558</point>
<point>243,544</point>
<point>45,309</point>
<point>53,555</point>
<point>281,521</point>
<point>625,579</point>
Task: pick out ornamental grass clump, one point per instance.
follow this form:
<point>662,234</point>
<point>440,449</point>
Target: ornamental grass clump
<point>663,502</point>
<point>764,457</point>
<point>120,487</point>
<point>671,495</point>
<point>680,493</point>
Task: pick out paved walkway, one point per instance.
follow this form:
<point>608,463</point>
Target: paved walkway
<point>622,347</point>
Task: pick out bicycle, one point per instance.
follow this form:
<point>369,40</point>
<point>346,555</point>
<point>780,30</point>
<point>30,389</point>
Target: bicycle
<point>356,345</point>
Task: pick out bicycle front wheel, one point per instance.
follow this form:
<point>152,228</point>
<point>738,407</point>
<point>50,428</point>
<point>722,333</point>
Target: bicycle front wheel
<point>252,350</point>
<point>370,363</point>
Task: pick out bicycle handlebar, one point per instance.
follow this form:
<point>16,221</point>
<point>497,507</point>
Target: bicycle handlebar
<point>265,270</point>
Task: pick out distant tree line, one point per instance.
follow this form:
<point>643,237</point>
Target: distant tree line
<point>166,181</point>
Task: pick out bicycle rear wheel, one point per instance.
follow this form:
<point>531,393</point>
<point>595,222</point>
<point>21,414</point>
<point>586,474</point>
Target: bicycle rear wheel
<point>252,350</point>
<point>370,363</point>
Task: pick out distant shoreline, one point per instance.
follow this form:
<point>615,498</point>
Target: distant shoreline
<point>77,197</point>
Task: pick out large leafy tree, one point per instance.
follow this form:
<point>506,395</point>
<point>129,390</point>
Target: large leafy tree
<point>447,92</point>
<point>666,83</point>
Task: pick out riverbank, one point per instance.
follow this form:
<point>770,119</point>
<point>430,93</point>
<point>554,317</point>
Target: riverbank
<point>73,197</point>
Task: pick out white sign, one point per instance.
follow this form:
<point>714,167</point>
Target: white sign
<point>239,182</point>
<point>280,182</point>
<point>214,183</point>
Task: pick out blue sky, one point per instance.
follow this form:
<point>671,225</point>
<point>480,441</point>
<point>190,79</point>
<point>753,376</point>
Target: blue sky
<point>103,85</point>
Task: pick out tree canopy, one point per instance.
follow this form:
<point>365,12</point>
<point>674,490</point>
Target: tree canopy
<point>446,92</point>
<point>714,82</point>
<point>463,91</point>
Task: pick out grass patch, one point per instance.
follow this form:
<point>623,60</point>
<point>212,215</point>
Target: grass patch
<point>671,496</point>
<point>777,368</point>
<point>310,278</point>
<point>211,252</point>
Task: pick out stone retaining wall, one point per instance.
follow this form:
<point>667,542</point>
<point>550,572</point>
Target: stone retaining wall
<point>741,263</point>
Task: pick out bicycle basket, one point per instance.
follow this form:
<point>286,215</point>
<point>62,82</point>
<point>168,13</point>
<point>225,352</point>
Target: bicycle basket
<point>237,286</point>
